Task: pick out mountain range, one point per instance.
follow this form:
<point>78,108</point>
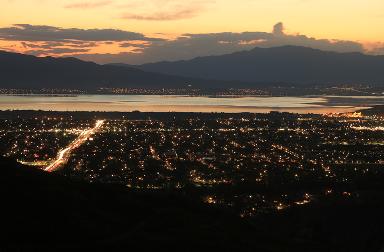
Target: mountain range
<point>280,64</point>
<point>259,66</point>
<point>26,71</point>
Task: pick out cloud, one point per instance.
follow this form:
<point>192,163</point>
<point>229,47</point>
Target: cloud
<point>375,48</point>
<point>57,51</point>
<point>167,10</point>
<point>27,32</point>
<point>189,46</point>
<point>278,29</point>
<point>55,44</point>
<point>130,44</point>
<point>136,48</point>
<point>42,40</point>
<point>162,16</point>
<point>88,5</point>
<point>57,48</point>
<point>377,51</point>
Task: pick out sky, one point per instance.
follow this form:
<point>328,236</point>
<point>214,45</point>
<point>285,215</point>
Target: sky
<point>141,31</point>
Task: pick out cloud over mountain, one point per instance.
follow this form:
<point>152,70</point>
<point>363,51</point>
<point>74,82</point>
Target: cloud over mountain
<point>137,48</point>
<point>189,46</point>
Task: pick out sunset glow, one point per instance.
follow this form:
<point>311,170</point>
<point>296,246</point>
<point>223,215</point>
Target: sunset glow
<point>158,24</point>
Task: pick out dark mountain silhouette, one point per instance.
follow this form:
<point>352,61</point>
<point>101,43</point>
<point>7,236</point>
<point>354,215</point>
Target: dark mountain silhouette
<point>280,64</point>
<point>45,211</point>
<point>26,71</point>
<point>257,67</point>
<point>41,210</point>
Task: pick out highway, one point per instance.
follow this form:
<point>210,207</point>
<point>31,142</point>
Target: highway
<point>63,155</point>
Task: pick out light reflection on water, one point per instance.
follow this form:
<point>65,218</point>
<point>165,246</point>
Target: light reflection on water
<point>158,103</point>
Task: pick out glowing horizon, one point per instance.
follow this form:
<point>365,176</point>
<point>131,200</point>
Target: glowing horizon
<point>353,21</point>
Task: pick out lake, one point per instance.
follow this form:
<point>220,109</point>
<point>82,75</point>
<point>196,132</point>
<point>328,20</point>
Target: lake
<point>167,103</point>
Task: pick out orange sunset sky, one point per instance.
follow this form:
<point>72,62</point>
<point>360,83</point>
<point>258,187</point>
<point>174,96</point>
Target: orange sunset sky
<point>139,31</point>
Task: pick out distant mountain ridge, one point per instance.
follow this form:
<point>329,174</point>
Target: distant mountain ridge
<point>26,71</point>
<point>280,64</point>
<point>258,67</point>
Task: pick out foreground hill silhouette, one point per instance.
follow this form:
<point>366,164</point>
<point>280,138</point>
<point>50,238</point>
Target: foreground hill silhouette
<point>44,210</point>
<point>280,64</point>
<point>50,211</point>
<point>26,71</point>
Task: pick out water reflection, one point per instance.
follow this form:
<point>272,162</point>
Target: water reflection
<point>157,103</point>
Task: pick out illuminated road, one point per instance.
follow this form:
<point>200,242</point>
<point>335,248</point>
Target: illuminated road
<point>62,156</point>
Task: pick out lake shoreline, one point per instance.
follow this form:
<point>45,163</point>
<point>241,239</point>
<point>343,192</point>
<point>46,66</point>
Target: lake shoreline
<point>176,103</point>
